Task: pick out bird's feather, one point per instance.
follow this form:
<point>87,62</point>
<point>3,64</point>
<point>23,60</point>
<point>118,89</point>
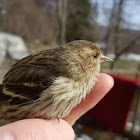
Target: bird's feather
<point>28,78</point>
<point>49,83</point>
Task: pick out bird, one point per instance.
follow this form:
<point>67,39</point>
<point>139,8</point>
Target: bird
<point>50,83</point>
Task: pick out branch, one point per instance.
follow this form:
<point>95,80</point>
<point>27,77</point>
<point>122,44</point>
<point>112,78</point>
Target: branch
<point>127,47</point>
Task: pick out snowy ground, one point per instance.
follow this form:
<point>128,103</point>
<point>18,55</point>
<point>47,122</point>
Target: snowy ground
<point>129,56</point>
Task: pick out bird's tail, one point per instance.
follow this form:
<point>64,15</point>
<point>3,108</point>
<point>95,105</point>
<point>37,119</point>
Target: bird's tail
<point>1,88</point>
<point>1,92</point>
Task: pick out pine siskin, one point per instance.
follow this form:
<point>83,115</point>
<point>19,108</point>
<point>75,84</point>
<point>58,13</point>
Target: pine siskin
<point>50,83</point>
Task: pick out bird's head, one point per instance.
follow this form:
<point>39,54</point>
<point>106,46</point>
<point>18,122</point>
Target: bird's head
<point>87,54</point>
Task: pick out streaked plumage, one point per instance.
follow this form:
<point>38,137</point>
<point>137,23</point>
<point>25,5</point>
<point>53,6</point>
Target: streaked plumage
<point>50,83</point>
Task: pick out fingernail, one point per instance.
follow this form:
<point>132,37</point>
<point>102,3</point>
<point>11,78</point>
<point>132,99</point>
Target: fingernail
<point>6,136</point>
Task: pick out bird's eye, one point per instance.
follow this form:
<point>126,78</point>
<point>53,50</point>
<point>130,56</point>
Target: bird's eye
<point>95,55</point>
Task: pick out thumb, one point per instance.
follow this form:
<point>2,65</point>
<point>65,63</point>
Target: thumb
<point>37,129</point>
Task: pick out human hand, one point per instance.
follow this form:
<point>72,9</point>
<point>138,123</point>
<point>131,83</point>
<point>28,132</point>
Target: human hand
<point>40,129</point>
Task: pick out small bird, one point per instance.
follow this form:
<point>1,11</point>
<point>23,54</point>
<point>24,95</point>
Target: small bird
<point>50,83</point>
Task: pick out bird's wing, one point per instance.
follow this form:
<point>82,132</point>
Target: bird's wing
<point>26,81</point>
<point>29,84</point>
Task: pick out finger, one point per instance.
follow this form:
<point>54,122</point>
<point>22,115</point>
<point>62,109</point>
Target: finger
<point>102,87</point>
<point>37,129</point>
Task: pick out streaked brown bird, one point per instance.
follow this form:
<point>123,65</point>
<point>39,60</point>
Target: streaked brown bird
<point>50,83</point>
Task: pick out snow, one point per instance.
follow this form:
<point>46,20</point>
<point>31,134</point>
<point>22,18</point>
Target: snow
<point>12,45</point>
<point>129,56</point>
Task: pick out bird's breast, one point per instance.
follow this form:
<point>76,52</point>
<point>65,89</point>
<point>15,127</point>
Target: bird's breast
<point>62,96</point>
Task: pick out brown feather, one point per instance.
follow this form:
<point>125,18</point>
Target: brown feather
<point>50,83</point>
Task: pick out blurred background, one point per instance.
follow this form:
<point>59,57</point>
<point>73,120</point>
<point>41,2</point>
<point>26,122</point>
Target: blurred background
<point>28,26</point>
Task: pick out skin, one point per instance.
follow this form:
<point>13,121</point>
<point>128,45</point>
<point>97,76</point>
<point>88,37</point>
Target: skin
<point>39,129</point>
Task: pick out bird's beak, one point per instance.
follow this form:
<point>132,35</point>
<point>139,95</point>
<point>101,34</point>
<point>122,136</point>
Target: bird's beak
<point>105,58</point>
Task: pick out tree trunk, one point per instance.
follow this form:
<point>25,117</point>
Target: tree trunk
<point>62,18</point>
<point>116,30</point>
<point>109,29</point>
